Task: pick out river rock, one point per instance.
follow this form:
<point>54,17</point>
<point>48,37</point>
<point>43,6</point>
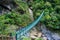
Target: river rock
<point>31,14</point>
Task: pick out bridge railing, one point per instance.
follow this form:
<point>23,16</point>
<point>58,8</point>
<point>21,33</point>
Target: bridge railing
<point>22,31</point>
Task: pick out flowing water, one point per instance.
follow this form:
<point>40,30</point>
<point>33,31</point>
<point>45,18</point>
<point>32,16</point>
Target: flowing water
<point>50,34</point>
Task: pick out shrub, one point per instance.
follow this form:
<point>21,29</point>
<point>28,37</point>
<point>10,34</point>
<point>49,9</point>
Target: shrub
<point>52,11</point>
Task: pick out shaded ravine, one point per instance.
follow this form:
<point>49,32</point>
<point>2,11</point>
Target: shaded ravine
<point>49,34</point>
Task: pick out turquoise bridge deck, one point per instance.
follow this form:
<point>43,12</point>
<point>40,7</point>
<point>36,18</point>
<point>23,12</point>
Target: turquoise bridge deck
<point>22,31</point>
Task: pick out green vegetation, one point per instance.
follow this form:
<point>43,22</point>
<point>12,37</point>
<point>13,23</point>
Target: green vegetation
<point>39,39</point>
<point>7,20</point>
<point>26,38</point>
<point>52,11</point>
<point>18,17</point>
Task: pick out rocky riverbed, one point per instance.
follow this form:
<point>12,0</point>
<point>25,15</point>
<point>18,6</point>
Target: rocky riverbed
<point>50,34</point>
<point>43,33</point>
